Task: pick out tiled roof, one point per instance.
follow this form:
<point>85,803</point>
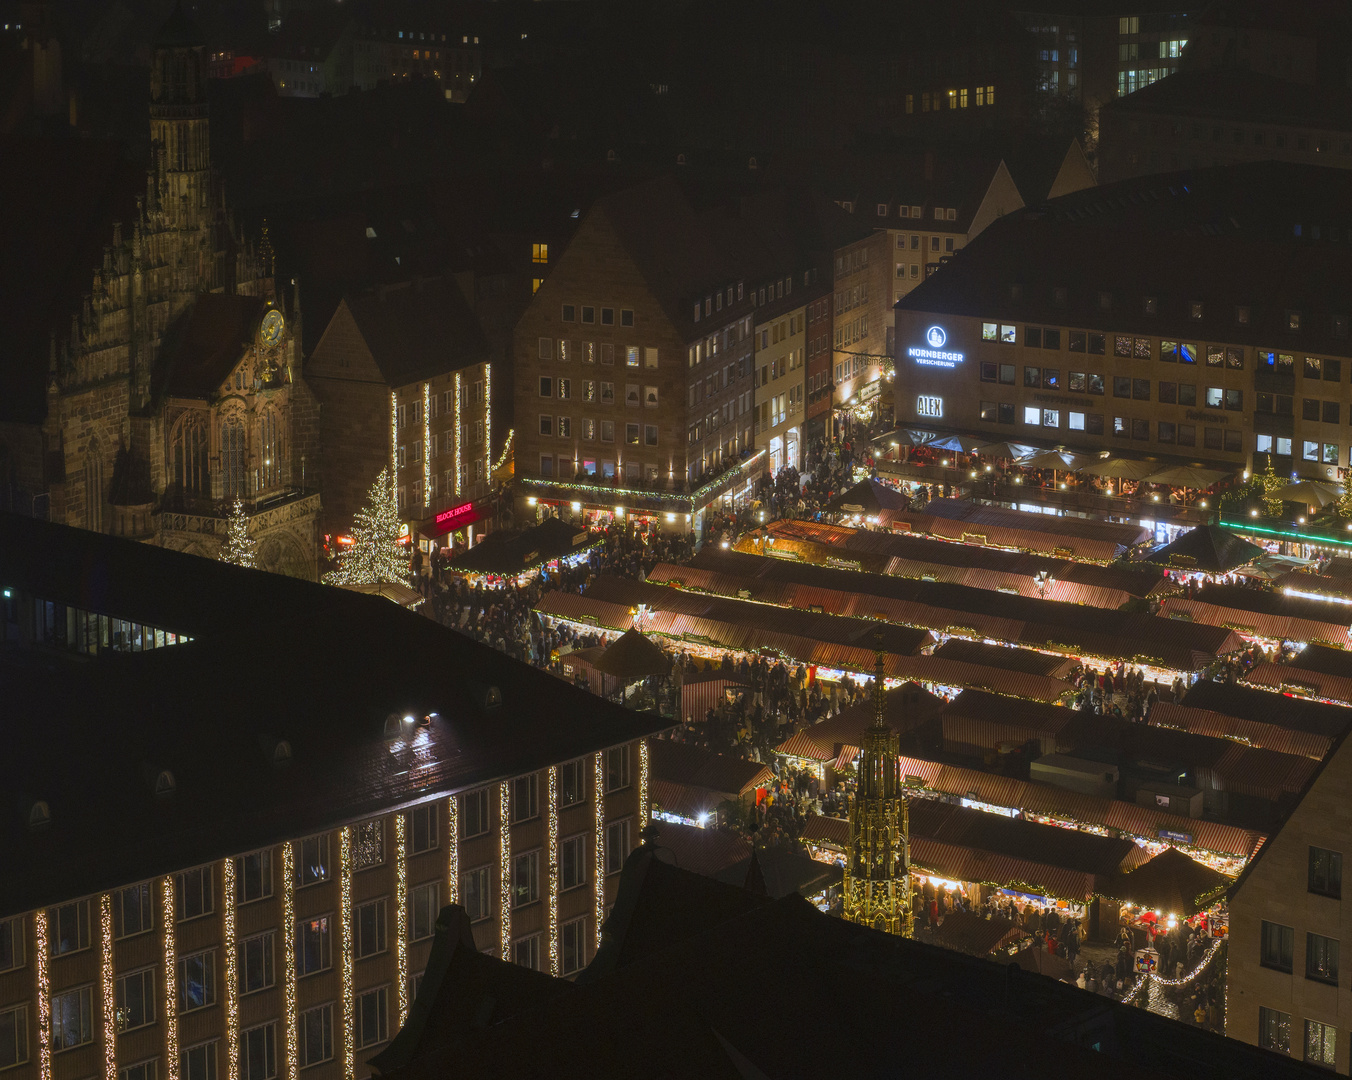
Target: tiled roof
<point>997,526</point>
<point>682,763</point>
<point>212,337</point>
<point>1252,732</point>
<point>418,329</point>
<point>968,932</point>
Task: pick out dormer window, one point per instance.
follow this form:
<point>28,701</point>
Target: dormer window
<point>1195,309</point>
<point>39,814</point>
<point>882,209</point>
<point>1242,315</point>
<point>164,783</point>
<point>1293,321</point>
<point>1151,304</point>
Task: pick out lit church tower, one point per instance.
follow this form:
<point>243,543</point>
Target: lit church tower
<point>878,869</point>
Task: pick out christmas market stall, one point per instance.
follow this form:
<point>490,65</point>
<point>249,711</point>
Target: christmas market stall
<point>1270,618</point>
<point>1206,552</point>
<point>636,669</point>
<point>1317,672</point>
<point>967,932</point>
<point>1155,899</point>
<point>502,559</point>
<point>866,502</point>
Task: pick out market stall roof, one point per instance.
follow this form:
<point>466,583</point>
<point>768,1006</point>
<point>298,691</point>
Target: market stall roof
<point>1272,616</point>
<point>1070,629</point>
<point>1171,883</point>
<point>1281,710</point>
<point>967,932</point>
<point>904,709</point>
<point>869,497</point>
<point>1021,530</point>
<point>1255,733</point>
<point>1336,588</point>
<point>505,555</point>
<point>401,594</point>
<point>685,763</point>
<point>923,558</point>
<point>1311,677</point>
<point>1208,548</point>
<point>633,656</point>
<point>1048,665</point>
<point>703,851</point>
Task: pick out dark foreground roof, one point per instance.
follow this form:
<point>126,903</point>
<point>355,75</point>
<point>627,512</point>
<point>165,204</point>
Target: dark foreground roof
<point>700,978</point>
<point>274,659</point>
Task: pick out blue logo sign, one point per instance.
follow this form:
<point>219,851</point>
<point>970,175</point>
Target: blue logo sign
<point>936,337</point>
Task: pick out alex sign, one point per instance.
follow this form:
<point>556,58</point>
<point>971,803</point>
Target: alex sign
<point>934,353</point>
<point>929,406</point>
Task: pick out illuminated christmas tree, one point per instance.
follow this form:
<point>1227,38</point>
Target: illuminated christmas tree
<point>375,554</point>
<point>239,549</point>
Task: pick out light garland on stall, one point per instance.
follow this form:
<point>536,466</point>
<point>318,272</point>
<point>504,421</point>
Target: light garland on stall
<point>610,494</point>
<point>643,807</point>
<point>106,989</point>
<point>345,937</point>
<point>599,798</point>
<point>170,979</point>
<point>231,969</point>
<point>44,995</point>
<point>453,849</point>
<point>292,1034</point>
<point>553,826</point>
<point>401,915</point>
<point>504,873</point>
<point>457,434</point>
<point>506,450</point>
<point>427,444</point>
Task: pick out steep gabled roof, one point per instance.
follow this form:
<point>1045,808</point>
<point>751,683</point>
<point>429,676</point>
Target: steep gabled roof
<point>210,338</point>
<point>418,329</point>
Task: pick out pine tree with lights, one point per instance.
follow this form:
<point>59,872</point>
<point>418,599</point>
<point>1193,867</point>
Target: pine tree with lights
<point>375,554</point>
<point>239,549</point>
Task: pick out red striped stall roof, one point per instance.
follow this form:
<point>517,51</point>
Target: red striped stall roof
<point>1252,732</point>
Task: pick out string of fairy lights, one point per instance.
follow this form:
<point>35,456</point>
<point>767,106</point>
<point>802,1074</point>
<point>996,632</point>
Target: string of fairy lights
<point>109,1002</point>
<point>231,970</point>
<point>291,1035</point>
<point>345,938</point>
<point>643,807</point>
<point>599,799</point>
<point>394,434</point>
<point>453,849</point>
<point>44,996</point>
<point>401,915</point>
<point>504,873</point>
<point>457,435</point>
<point>553,828</point>
<point>170,978</point>
<point>488,415</point>
<point>427,443</point>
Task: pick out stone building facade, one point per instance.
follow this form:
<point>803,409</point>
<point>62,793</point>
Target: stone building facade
<point>174,390</point>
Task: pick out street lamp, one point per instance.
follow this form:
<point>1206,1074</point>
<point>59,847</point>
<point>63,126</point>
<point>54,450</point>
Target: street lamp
<point>1043,578</point>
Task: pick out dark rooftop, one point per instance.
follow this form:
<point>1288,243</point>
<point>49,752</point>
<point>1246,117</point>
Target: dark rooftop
<point>209,339</point>
<point>1282,710</point>
<point>273,659</point>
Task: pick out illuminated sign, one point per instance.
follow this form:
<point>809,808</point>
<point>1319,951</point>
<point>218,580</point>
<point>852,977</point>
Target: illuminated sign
<point>936,337</point>
<point>927,405</point>
<point>457,517</point>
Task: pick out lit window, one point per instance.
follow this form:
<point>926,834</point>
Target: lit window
<point>539,253</point>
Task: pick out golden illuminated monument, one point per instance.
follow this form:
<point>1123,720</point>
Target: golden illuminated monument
<point>878,870</point>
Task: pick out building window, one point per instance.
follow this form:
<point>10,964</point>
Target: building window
<point>1321,958</point>
<point>1326,872</point>
<point>571,784</point>
<point>539,253</point>
<point>312,864</point>
<point>313,946</point>
<point>132,914</point>
<point>525,879</point>
<point>1321,1044</point>
<point>69,927</point>
<point>373,1024</point>
<point>234,458</point>
<point>474,813</point>
<point>190,455</point>
<point>1278,945</point>
<point>626,317</point>
<point>11,943</point>
<point>617,845</point>
<point>316,1035</point>
<point>423,907</point>
<point>255,963</point>
<point>422,823</point>
<point>368,844</point>
<point>258,1053</point>
<point>72,1020</point>
<point>1032,415</point>
<point>474,894</point>
<point>569,313</point>
<point>573,862</point>
<point>526,952</point>
<point>13,1036</point>
<point>617,768</point>
<point>1274,1030</point>
<point>136,999</point>
<point>198,1062</point>
<point>573,939</point>
<point>253,876</point>
<point>197,981</point>
<point>525,804</point>
<point>369,921</point>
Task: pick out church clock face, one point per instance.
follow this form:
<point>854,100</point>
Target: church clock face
<point>273,325</point>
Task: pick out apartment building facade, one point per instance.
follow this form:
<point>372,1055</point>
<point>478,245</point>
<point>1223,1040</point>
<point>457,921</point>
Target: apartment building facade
<point>635,391</point>
<point>1043,333</point>
<point>781,383</point>
<point>405,379</point>
<point>253,895</point>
